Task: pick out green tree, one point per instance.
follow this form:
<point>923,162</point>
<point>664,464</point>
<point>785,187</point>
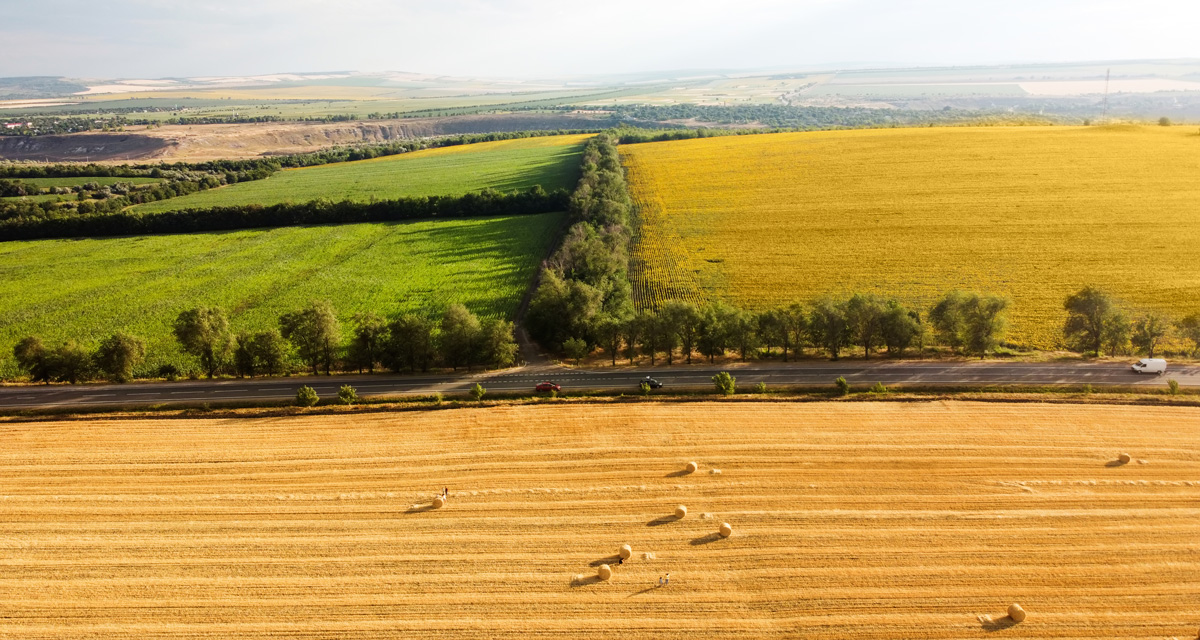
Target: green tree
<point>497,346</point>
<point>1189,327</point>
<point>562,308</point>
<point>631,335</point>
<point>654,334</point>
<point>864,316</point>
<point>459,336</point>
<point>71,362</point>
<point>347,394</point>
<point>610,329</point>
<point>315,333</point>
<point>1117,334</point>
<point>575,349</point>
<point>411,342</point>
<point>725,383</point>
<point>741,327</point>
<point>1090,314</point>
<point>1164,121</point>
<point>829,327</point>
<point>841,386</point>
<point>949,320</point>
<point>986,322</point>
<point>32,356</point>
<point>1147,332</point>
<point>368,343</point>
<point>270,352</point>
<point>243,355</point>
<point>899,327</point>
<point>477,392</point>
<point>713,332</point>
<point>684,319</point>
<point>118,354</point>
<point>204,333</point>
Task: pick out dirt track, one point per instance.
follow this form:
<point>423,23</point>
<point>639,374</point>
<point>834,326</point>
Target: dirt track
<point>209,142</point>
<point>851,520</point>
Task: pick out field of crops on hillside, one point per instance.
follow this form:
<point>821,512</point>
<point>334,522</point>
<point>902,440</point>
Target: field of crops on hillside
<point>1032,213</point>
<point>849,521</point>
<point>88,288</point>
<point>508,165</point>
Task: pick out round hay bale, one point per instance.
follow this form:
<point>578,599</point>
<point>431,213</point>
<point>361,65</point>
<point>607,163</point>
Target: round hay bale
<point>725,530</point>
<point>680,511</point>
<point>1016,612</point>
<point>691,467</point>
<point>626,552</point>
<point>605,572</point>
<point>439,502</point>
<point>1124,458</point>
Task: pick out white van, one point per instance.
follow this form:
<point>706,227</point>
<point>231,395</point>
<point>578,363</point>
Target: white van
<point>1150,365</point>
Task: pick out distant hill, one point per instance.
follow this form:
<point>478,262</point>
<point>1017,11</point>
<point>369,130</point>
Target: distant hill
<point>34,87</point>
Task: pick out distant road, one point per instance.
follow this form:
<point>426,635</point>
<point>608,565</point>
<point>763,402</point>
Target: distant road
<point>858,373</point>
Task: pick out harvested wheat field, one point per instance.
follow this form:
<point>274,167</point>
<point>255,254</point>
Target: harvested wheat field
<point>848,520</point>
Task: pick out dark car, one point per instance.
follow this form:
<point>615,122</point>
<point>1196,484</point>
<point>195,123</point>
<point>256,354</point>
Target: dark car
<point>547,386</point>
<point>651,382</point>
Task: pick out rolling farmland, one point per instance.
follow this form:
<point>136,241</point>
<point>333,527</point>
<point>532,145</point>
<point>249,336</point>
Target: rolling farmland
<point>88,288</point>
<point>1032,213</point>
<point>848,521</point>
<point>508,165</point>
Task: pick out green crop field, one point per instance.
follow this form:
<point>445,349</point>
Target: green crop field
<point>552,162</point>
<point>72,182</point>
<point>87,289</point>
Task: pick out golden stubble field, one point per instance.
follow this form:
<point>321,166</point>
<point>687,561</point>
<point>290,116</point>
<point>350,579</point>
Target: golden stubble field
<point>1031,213</point>
<point>850,520</point>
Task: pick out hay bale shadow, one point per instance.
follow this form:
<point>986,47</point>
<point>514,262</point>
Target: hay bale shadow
<point>996,625</point>
<point>583,581</point>
<point>705,539</point>
<point>420,508</point>
<point>610,560</point>
<point>679,474</point>
<point>658,522</point>
<point>1115,463</point>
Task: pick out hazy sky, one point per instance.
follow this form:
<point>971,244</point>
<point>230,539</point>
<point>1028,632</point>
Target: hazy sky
<point>526,38</point>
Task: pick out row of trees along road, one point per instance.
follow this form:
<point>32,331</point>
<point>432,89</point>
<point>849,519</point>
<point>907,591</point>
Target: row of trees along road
<point>969,323</point>
<point>1097,324</point>
<point>311,336</point>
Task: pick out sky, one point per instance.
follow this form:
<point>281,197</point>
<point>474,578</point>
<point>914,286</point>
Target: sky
<point>566,38</point>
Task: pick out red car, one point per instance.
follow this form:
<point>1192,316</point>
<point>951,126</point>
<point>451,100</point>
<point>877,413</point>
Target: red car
<point>547,386</point>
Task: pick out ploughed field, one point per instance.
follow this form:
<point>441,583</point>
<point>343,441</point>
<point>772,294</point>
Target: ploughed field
<point>850,520</point>
<point>86,289</point>
<point>1031,213</point>
<point>509,165</point>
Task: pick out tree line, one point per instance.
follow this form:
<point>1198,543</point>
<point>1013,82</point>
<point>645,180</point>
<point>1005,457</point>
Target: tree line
<point>310,338</point>
<point>967,323</point>
<point>123,223</point>
<point>586,278</point>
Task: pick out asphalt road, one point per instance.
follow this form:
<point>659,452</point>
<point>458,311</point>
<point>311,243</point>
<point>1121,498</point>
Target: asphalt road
<point>858,373</point>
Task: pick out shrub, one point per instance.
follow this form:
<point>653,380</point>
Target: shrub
<point>477,392</point>
<point>307,397</point>
<point>843,387</point>
<point>760,387</point>
<point>645,387</point>
<point>347,394</point>
<point>725,383</point>
<point>878,388</point>
<point>169,371</point>
<point>1173,387</point>
<point>438,397</point>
